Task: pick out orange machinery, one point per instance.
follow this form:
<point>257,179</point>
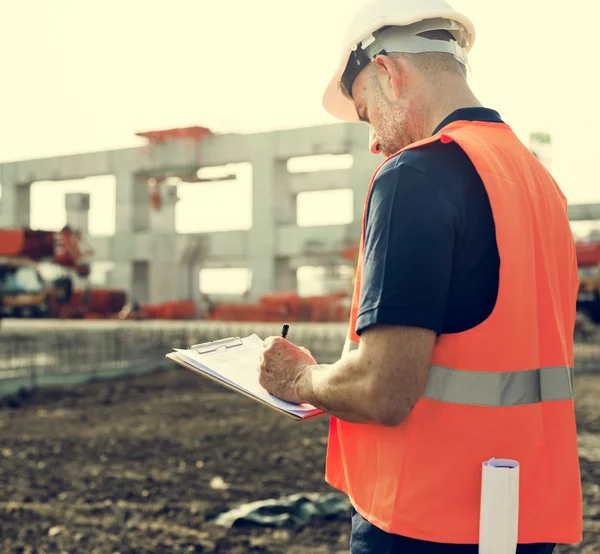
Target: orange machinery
<point>24,293</point>
<point>192,135</point>
<point>285,306</point>
<point>62,247</point>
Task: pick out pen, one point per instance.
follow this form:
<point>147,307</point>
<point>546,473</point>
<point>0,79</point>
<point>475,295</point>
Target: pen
<point>284,330</point>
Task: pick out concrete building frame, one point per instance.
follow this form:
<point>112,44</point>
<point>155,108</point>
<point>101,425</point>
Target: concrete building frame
<point>154,263</point>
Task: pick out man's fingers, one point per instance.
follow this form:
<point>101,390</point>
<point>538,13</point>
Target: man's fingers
<point>270,341</point>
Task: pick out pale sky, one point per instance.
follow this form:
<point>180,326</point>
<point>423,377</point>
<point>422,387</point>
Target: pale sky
<point>84,75</point>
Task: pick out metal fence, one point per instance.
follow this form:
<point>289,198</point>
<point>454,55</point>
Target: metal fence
<point>38,352</point>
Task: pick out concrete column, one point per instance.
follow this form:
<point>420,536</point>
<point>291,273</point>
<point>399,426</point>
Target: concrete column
<point>284,201</point>
<point>15,205</point>
<point>285,276</point>
<point>140,278</point>
<point>9,192</point>
<point>24,204</point>
<point>121,276</point>
<point>266,172</point>
<point>189,282</point>
<point>364,165</point>
<point>285,214</point>
<point>194,285</point>
<point>165,269</point>
<point>163,219</point>
<point>78,209</point>
<point>132,205</point>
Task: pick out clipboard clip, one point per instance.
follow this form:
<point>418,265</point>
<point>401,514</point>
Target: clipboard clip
<point>213,346</point>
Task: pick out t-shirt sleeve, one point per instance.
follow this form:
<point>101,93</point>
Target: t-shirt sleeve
<point>409,243</point>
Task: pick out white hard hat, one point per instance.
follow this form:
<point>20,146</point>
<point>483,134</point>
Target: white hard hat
<point>381,26</point>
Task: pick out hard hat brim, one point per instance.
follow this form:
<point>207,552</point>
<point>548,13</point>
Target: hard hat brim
<point>337,104</point>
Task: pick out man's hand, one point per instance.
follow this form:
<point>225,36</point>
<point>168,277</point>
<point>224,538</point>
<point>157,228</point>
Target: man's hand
<point>282,368</point>
<point>380,382</point>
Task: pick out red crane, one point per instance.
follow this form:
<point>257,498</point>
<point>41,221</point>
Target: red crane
<point>63,248</point>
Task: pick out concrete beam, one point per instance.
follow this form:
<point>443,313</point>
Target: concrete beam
<point>318,260</point>
<point>319,180</point>
<point>312,141</point>
<point>584,212</point>
<point>230,248</point>
<point>211,151</point>
<point>63,168</point>
<point>227,244</point>
<point>300,241</point>
<point>220,263</point>
<point>218,246</point>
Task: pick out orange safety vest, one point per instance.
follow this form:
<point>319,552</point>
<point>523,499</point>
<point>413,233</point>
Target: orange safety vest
<point>503,389</point>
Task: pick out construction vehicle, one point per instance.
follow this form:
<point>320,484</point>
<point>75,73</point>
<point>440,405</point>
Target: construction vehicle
<point>23,291</point>
<point>588,299</point>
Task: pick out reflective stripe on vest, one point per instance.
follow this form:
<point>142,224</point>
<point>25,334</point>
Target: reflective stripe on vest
<point>495,389</point>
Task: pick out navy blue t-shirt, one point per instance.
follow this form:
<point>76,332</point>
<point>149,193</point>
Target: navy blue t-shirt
<point>430,260</point>
<point>430,255</point>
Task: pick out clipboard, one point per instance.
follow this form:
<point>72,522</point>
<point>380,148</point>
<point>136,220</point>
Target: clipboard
<point>224,345</point>
<point>213,346</point>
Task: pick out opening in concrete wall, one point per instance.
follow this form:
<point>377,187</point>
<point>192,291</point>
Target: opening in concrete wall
<point>586,230</point>
<point>324,207</point>
<point>47,203</point>
<point>100,272</point>
<point>318,280</point>
<point>225,280</point>
<point>323,162</point>
<point>224,204</point>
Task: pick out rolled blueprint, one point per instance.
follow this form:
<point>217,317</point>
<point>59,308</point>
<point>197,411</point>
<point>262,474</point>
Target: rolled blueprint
<point>499,517</point>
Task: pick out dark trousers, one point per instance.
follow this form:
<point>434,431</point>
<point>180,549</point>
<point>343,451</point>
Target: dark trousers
<point>368,539</point>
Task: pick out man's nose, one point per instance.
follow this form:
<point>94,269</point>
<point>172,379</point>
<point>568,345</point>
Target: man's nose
<point>374,144</point>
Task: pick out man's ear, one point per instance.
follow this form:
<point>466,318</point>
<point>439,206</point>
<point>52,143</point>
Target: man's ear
<point>389,75</point>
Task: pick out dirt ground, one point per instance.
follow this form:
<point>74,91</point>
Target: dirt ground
<point>125,466</point>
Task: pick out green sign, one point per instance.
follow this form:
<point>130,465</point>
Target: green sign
<point>544,138</point>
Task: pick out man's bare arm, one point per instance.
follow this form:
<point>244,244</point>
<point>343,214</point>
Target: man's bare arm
<point>378,383</point>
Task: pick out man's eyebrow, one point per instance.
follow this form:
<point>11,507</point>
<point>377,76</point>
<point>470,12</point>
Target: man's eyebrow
<point>360,111</point>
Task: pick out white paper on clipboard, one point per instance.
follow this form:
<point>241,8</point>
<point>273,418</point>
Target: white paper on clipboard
<point>235,361</point>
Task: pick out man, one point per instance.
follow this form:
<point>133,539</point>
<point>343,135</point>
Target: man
<point>460,343</point>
